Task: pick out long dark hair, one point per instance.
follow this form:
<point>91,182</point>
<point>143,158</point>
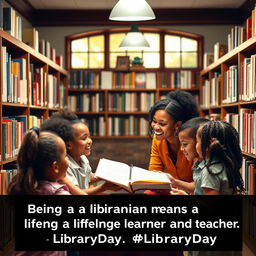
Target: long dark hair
<point>35,155</point>
<point>222,142</point>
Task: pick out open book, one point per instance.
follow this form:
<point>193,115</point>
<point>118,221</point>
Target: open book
<point>131,178</point>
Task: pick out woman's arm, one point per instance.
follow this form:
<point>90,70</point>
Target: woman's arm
<point>155,162</point>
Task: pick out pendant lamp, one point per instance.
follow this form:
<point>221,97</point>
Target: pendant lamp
<point>132,10</point>
<point>134,40</point>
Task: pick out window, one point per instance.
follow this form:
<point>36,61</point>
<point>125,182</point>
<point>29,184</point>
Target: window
<point>99,49</point>
<point>88,52</point>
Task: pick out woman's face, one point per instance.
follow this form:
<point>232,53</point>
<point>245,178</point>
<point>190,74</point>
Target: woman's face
<point>188,144</point>
<point>163,125</point>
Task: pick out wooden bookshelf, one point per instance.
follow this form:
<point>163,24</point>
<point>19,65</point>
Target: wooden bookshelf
<point>11,107</point>
<point>240,111</point>
<point>122,89</point>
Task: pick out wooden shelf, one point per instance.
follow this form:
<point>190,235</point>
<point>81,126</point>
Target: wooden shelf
<point>249,154</point>
<point>119,118</point>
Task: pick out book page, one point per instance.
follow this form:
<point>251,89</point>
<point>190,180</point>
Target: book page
<point>113,171</point>
<point>140,175</point>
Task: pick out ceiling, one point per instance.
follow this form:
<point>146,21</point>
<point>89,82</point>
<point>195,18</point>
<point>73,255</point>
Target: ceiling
<point>109,4</point>
<point>168,12</point>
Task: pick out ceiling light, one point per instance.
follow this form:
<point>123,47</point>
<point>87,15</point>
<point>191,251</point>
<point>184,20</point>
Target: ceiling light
<point>134,40</point>
<point>132,10</point>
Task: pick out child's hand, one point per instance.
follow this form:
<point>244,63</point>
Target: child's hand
<point>176,191</point>
<point>172,179</point>
<point>111,186</point>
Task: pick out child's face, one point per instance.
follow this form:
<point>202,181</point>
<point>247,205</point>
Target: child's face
<point>63,162</point>
<point>82,142</point>
<point>187,144</point>
<point>163,125</point>
<point>198,143</point>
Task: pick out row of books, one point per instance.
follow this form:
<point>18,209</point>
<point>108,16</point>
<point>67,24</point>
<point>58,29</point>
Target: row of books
<point>236,37</point>
<point>10,21</point>
<point>86,102</point>
<point>14,78</point>
<point>211,91</point>
<point>128,126</point>
<point>31,38</point>
<point>184,79</point>
<point>130,102</point>
<point>245,124</point>
<point>248,79</point>
<point>44,88</point>
<point>248,172</point>
<point>230,85</point>
<point>118,126</point>
<point>83,79</point>
<point>13,130</point>
<point>5,179</point>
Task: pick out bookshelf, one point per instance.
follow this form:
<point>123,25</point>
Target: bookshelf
<point>234,93</point>
<point>27,97</point>
<point>116,104</point>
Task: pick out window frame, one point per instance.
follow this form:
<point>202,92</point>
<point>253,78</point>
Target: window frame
<point>161,32</point>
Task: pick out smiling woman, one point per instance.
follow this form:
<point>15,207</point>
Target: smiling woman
<point>166,117</point>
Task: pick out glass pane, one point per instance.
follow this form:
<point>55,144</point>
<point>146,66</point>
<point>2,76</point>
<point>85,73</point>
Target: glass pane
<point>113,56</point>
<point>151,60</point>
<point>153,40</point>
<point>79,45</point>
<point>172,43</point>
<point>189,59</point>
<point>172,60</point>
<point>96,60</point>
<point>114,41</point>
<point>188,44</point>
<point>96,43</point>
<point>79,60</point>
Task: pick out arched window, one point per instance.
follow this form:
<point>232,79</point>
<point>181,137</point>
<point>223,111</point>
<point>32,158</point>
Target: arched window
<point>168,49</point>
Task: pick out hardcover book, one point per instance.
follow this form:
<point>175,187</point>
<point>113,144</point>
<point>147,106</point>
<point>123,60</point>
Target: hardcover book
<point>131,178</point>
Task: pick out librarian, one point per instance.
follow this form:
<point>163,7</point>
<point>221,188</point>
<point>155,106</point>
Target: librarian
<point>166,117</point>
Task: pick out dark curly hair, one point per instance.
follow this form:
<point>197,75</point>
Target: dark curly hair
<point>59,126</point>
<point>222,142</point>
<point>66,114</point>
<point>180,105</point>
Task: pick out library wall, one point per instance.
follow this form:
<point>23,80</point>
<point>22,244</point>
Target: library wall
<point>212,34</point>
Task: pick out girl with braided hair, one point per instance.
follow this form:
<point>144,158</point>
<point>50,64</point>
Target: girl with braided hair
<point>218,172</point>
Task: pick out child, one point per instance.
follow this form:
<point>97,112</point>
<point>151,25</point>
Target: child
<point>42,162</point>
<point>220,159</point>
<point>219,172</point>
<point>76,135</point>
<point>187,137</point>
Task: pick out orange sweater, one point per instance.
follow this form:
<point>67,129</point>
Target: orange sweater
<point>160,161</point>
